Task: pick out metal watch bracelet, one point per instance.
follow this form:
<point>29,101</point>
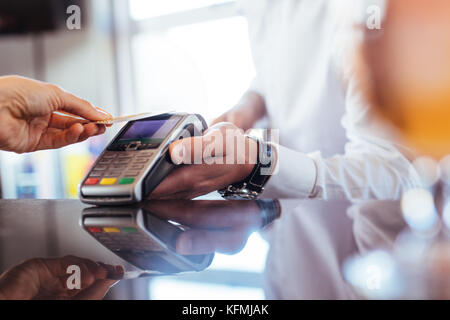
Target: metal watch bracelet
<point>252,186</point>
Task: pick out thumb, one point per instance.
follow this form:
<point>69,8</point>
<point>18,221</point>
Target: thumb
<point>213,143</point>
<point>183,151</point>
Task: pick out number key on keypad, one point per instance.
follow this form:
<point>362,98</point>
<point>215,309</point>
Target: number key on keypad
<point>122,161</point>
<point>109,155</point>
<point>96,174</point>
<point>131,173</point>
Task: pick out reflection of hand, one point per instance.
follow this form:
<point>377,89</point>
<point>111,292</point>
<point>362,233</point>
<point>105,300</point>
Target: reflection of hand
<point>47,279</point>
<point>222,226</point>
<point>218,167</point>
<point>28,120</point>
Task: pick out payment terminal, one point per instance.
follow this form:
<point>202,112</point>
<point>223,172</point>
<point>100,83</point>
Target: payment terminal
<point>137,159</point>
<point>142,239</point>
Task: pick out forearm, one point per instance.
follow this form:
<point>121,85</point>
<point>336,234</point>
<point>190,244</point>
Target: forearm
<point>253,103</point>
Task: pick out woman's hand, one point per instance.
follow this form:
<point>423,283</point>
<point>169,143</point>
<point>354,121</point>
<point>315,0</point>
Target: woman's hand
<point>28,121</point>
<point>222,156</point>
<point>47,279</point>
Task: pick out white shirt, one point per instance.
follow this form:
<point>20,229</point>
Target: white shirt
<point>308,246</point>
<point>330,146</point>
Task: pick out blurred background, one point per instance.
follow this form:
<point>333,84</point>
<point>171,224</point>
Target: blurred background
<point>131,56</point>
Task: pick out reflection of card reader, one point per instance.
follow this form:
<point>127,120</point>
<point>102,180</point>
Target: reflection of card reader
<point>142,239</point>
<point>137,159</point>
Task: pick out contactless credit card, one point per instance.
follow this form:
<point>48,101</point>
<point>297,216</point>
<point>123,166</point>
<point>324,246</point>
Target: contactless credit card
<point>127,118</point>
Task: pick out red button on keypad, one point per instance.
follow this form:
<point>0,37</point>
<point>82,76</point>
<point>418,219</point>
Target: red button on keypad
<point>91,181</point>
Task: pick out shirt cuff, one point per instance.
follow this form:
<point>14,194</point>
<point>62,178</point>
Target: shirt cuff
<point>294,177</point>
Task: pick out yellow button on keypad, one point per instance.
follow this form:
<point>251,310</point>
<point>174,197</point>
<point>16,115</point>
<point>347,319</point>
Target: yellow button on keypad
<point>111,230</point>
<point>108,181</point>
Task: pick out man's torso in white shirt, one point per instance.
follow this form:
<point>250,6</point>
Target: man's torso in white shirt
<point>292,42</point>
<point>330,145</point>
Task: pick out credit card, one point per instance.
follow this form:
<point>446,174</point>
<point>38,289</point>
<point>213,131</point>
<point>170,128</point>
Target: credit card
<point>127,118</point>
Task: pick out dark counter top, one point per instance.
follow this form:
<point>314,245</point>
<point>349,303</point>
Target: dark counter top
<point>312,243</point>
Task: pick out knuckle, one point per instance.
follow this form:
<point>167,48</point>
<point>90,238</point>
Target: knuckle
<point>186,180</point>
<point>15,78</point>
<point>84,101</point>
<point>32,261</point>
<point>55,88</point>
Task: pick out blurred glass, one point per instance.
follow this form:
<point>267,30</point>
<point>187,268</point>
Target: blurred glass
<point>406,72</point>
<point>375,275</point>
<point>419,211</point>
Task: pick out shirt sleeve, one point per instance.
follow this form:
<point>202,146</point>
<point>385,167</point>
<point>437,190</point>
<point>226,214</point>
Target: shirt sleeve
<point>294,177</point>
<point>372,167</point>
<point>350,176</point>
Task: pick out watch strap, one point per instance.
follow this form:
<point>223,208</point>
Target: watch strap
<point>253,185</point>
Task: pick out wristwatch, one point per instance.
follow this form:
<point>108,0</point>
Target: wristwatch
<point>252,186</point>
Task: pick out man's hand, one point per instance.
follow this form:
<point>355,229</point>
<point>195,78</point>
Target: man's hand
<point>47,279</point>
<point>250,109</point>
<point>224,155</point>
<point>28,121</point>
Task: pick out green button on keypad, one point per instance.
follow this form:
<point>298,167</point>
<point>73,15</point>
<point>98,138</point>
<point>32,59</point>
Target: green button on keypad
<point>126,181</point>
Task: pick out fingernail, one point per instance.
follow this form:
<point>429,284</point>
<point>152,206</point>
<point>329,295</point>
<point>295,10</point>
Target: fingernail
<point>104,112</point>
<point>119,269</point>
<point>178,153</point>
<point>116,273</point>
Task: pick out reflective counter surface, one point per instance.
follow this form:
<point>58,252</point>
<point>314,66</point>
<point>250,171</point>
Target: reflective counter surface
<point>305,249</point>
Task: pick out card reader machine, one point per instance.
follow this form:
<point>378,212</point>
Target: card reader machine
<point>137,159</point>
